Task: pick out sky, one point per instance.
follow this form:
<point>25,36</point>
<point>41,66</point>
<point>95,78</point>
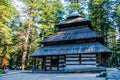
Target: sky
<point>20,5</point>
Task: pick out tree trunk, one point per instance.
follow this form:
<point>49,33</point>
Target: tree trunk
<point>25,47</point>
<point>27,39</point>
<point>4,55</point>
<point>43,34</point>
<point>23,59</point>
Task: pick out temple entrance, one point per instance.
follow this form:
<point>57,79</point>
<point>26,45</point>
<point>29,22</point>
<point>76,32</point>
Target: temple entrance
<point>43,63</point>
<point>105,60</point>
<point>54,62</point>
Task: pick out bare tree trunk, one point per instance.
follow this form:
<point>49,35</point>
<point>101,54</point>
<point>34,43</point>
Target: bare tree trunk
<point>25,48</point>
<point>27,37</point>
<point>27,40</point>
<point>23,59</point>
<point>43,34</point>
<point>30,47</point>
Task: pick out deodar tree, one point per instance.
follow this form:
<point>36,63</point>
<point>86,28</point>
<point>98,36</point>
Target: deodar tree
<point>7,12</point>
<point>74,6</point>
<point>43,15</point>
<point>99,14</point>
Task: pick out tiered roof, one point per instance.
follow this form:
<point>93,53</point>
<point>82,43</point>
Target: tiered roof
<point>72,34</point>
<point>74,29</point>
<point>78,48</point>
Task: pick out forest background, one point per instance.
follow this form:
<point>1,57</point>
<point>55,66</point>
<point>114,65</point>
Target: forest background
<point>20,38</point>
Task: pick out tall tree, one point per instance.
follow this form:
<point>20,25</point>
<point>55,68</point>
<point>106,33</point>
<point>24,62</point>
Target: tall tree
<point>7,12</point>
<point>41,13</point>
<point>99,14</point>
<point>117,16</point>
<point>75,6</point>
<point>118,47</point>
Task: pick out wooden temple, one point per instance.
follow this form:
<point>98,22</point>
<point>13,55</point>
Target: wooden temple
<point>74,45</point>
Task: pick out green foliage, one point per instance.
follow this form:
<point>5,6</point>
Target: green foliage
<point>5,34</point>
<point>42,15</point>
<point>99,14</point>
<point>7,12</point>
<point>1,71</point>
<point>118,47</point>
<point>75,6</point>
<point>117,15</point>
<point>118,10</point>
<point>46,13</point>
<point>111,35</point>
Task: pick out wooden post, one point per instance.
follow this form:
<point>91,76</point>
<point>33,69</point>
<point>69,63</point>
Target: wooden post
<point>58,64</point>
<point>50,62</point>
<point>64,62</point>
<point>79,59</point>
<point>109,54</point>
<point>43,63</point>
<point>99,59</point>
<point>35,62</point>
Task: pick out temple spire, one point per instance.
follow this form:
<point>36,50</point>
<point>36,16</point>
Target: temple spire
<point>73,15</point>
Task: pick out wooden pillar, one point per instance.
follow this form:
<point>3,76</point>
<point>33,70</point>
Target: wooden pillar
<point>99,58</point>
<point>35,63</point>
<point>79,59</point>
<point>109,54</point>
<point>50,62</point>
<point>65,60</point>
<point>45,63</point>
<point>58,64</point>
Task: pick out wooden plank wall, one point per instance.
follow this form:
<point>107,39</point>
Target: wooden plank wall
<point>61,62</point>
<point>83,60</point>
<point>88,59</point>
<point>69,60</point>
<point>48,63</point>
<point>72,60</point>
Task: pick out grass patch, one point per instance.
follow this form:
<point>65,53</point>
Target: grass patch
<point>1,71</point>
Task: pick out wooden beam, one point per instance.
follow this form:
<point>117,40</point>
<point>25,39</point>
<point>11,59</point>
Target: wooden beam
<point>50,63</point>
<point>72,60</point>
<point>87,60</point>
<point>58,64</point>
<point>79,59</point>
<point>88,57</point>
<point>72,64</point>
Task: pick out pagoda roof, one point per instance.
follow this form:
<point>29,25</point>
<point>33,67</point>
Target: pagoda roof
<point>78,48</point>
<point>79,21</point>
<point>74,19</point>
<point>72,34</point>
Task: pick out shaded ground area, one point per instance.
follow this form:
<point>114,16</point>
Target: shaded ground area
<point>53,76</point>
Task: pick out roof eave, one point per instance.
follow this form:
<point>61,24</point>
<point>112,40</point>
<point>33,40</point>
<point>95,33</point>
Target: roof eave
<point>43,42</point>
<point>77,23</point>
